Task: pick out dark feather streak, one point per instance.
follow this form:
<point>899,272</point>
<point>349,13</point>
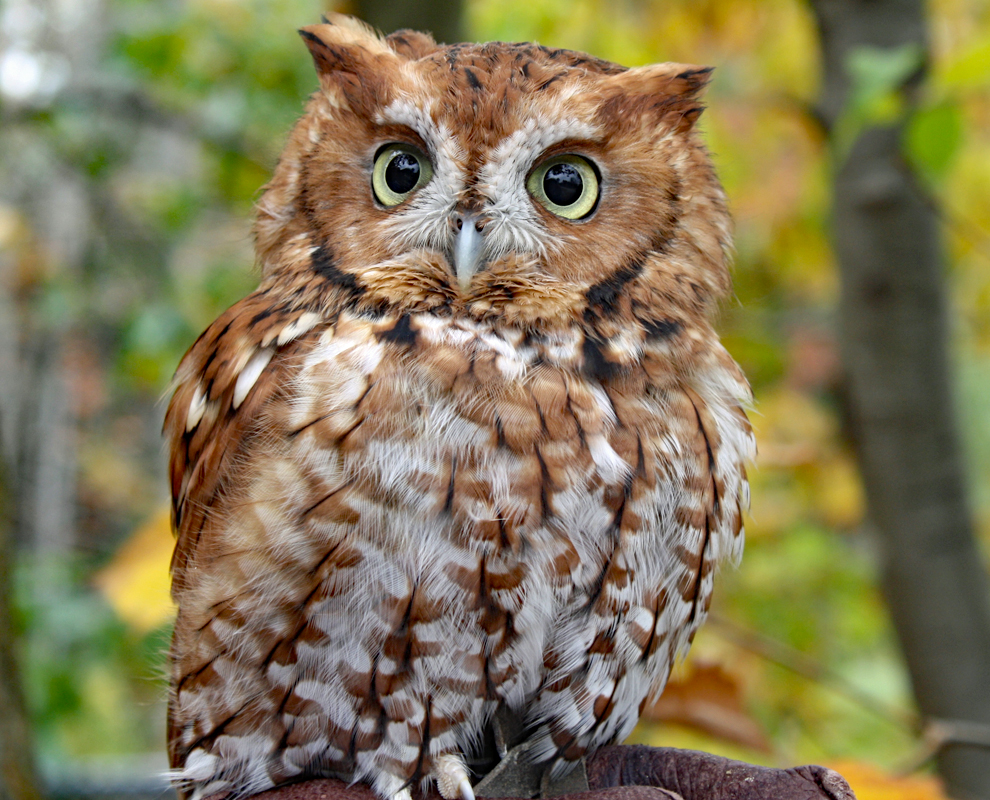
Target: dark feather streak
<point>324,266</point>
<point>402,333</point>
<point>661,328</point>
<point>604,294</point>
<point>595,364</point>
<point>472,79</point>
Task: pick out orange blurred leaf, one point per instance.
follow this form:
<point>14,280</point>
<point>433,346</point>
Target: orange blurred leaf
<point>869,782</point>
<point>709,699</point>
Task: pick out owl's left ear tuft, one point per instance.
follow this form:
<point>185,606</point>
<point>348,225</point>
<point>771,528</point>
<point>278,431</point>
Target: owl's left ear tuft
<point>668,92</point>
<point>341,29</point>
<point>348,54</point>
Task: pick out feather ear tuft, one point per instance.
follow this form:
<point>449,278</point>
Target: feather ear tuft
<point>670,92</point>
<point>346,51</point>
<point>341,29</point>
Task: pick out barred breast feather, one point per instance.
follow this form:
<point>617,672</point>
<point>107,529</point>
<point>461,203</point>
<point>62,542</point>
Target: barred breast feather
<point>423,519</point>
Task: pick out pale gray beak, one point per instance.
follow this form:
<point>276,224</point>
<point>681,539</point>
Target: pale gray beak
<point>469,248</point>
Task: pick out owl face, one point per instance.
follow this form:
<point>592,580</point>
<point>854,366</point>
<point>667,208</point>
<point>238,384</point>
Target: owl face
<point>509,181</point>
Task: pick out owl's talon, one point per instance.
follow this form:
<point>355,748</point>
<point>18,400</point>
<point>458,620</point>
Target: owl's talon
<point>403,794</point>
<point>452,778</point>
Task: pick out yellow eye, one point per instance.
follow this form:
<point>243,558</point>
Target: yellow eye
<point>565,185</point>
<point>400,169</point>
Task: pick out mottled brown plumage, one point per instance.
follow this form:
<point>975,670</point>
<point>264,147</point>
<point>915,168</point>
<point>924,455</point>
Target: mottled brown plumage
<point>460,454</point>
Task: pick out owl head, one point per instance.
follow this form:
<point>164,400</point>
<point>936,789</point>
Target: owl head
<point>541,187</point>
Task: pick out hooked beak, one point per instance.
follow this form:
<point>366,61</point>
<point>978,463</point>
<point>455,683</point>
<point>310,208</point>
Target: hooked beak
<point>469,248</point>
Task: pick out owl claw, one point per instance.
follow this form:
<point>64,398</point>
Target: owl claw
<point>452,778</point>
<point>403,794</point>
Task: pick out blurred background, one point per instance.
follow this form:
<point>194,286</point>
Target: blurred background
<point>134,138</point>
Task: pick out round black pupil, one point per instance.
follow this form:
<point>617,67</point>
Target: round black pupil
<point>563,184</point>
<point>402,173</point>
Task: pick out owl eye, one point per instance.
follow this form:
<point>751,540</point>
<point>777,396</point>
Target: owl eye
<point>400,169</point>
<point>565,185</point>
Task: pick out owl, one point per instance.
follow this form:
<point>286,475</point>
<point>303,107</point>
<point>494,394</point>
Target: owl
<point>452,483</point>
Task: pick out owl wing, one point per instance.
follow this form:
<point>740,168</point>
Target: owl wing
<point>679,514</point>
<point>236,368</point>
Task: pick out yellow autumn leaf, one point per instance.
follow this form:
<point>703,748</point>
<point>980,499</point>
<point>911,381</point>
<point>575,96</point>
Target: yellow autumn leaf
<point>869,782</point>
<point>792,429</point>
<point>838,496</point>
<point>136,581</point>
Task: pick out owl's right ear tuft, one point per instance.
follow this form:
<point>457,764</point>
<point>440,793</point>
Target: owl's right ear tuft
<point>667,92</point>
<point>350,60</point>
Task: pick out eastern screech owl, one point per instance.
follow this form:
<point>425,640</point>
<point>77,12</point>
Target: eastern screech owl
<point>473,447</point>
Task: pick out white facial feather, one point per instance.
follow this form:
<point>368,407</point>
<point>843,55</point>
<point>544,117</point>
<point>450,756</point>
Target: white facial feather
<point>425,220</point>
<point>515,224</point>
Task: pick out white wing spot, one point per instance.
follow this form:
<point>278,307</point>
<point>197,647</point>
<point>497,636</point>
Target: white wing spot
<point>197,407</point>
<point>298,327</point>
<point>250,374</point>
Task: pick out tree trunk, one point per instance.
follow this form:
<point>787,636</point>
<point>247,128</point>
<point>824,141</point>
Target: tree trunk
<point>18,780</point>
<point>894,336</point>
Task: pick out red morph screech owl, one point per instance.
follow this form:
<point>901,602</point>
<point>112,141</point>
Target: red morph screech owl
<point>472,450</point>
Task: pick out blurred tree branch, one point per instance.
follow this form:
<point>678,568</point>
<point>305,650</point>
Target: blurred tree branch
<point>894,338</point>
<point>789,658</point>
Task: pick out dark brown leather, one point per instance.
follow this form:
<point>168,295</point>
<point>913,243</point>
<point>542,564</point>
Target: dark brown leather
<point>634,772</point>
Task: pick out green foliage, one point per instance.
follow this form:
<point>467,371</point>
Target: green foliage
<point>163,160</point>
<point>75,652</point>
<point>877,78</point>
<point>209,91</point>
<point>933,138</point>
